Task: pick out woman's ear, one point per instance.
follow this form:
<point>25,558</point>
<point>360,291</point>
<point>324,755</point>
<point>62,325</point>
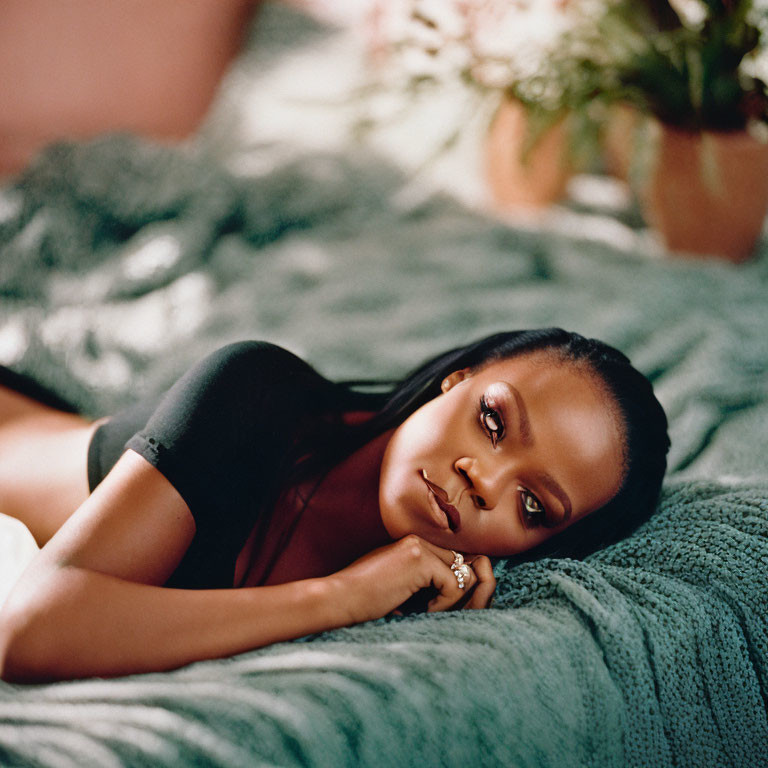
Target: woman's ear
<point>452,379</point>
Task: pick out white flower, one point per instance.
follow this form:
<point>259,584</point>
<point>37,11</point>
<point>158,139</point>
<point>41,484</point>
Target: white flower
<point>693,13</point>
<point>497,41</point>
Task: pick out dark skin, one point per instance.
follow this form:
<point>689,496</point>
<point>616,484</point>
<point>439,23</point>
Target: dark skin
<point>512,490</point>
<point>511,446</point>
<point>523,448</point>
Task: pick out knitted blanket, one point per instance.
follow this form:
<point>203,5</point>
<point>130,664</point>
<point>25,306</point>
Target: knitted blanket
<point>122,262</point>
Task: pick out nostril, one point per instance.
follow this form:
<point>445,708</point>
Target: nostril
<point>480,501</point>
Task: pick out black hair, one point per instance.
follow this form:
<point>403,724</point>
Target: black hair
<point>640,415</point>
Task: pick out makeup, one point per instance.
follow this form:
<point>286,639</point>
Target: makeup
<point>440,498</point>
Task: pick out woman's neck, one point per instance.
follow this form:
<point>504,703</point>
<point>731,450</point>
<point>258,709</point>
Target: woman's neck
<point>342,520</point>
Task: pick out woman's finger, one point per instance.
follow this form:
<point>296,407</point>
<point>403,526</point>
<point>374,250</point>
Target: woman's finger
<point>453,584</point>
<point>448,556</point>
<point>485,583</point>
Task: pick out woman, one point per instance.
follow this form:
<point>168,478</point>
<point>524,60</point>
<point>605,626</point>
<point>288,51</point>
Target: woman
<point>258,502</point>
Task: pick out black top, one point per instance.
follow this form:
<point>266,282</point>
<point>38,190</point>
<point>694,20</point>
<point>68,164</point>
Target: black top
<point>223,435</point>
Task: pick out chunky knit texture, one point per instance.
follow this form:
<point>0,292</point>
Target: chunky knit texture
<point>121,263</point>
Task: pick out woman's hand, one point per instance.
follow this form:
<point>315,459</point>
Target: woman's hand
<point>384,579</point>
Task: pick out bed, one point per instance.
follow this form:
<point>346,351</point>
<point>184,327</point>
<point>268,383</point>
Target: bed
<point>122,261</point>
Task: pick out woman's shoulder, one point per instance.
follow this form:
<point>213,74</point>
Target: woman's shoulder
<point>248,360</point>
<point>260,372</point>
<point>254,351</point>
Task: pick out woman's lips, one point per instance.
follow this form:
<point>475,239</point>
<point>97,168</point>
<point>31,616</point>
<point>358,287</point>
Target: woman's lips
<point>441,497</point>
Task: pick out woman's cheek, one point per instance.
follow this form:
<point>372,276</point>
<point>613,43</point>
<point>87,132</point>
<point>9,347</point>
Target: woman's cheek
<point>430,430</point>
<point>396,501</point>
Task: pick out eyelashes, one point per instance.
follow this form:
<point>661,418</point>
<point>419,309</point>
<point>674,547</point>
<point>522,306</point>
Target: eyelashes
<point>492,422</point>
<point>531,509</point>
<point>534,513</point>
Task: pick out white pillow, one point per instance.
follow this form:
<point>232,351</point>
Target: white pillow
<point>17,548</point>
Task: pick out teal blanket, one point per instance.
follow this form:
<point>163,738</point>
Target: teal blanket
<point>121,263</point>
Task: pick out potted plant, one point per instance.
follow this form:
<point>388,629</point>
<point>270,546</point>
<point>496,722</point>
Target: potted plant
<point>686,70</point>
<point>691,68</point>
<point>549,119</point>
<point>524,60</point>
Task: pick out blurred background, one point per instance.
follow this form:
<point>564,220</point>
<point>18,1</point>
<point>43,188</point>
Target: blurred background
<point>500,102</point>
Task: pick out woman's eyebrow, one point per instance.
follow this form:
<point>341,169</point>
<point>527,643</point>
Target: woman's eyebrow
<point>556,490</point>
<point>524,425</point>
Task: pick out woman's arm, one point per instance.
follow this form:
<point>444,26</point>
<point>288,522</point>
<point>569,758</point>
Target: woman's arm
<point>91,603</point>
<point>82,623</point>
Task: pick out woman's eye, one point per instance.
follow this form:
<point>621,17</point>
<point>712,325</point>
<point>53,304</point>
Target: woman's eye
<point>491,421</point>
<point>533,510</point>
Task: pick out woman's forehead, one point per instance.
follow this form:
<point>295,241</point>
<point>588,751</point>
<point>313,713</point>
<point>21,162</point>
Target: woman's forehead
<point>549,360</point>
<point>548,366</point>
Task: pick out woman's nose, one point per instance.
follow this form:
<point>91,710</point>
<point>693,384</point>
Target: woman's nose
<point>485,482</point>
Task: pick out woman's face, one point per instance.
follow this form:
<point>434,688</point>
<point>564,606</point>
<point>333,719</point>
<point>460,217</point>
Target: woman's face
<point>504,458</point>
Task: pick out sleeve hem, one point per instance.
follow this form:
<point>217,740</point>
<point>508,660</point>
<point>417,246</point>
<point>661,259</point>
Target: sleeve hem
<point>147,447</point>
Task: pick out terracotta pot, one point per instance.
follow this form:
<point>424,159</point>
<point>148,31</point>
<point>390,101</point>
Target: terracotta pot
<point>534,181</point>
<point>619,140</point>
<point>708,192</point>
<point>84,67</point>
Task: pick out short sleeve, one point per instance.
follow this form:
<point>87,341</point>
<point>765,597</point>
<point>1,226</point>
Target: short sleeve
<point>222,436</point>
